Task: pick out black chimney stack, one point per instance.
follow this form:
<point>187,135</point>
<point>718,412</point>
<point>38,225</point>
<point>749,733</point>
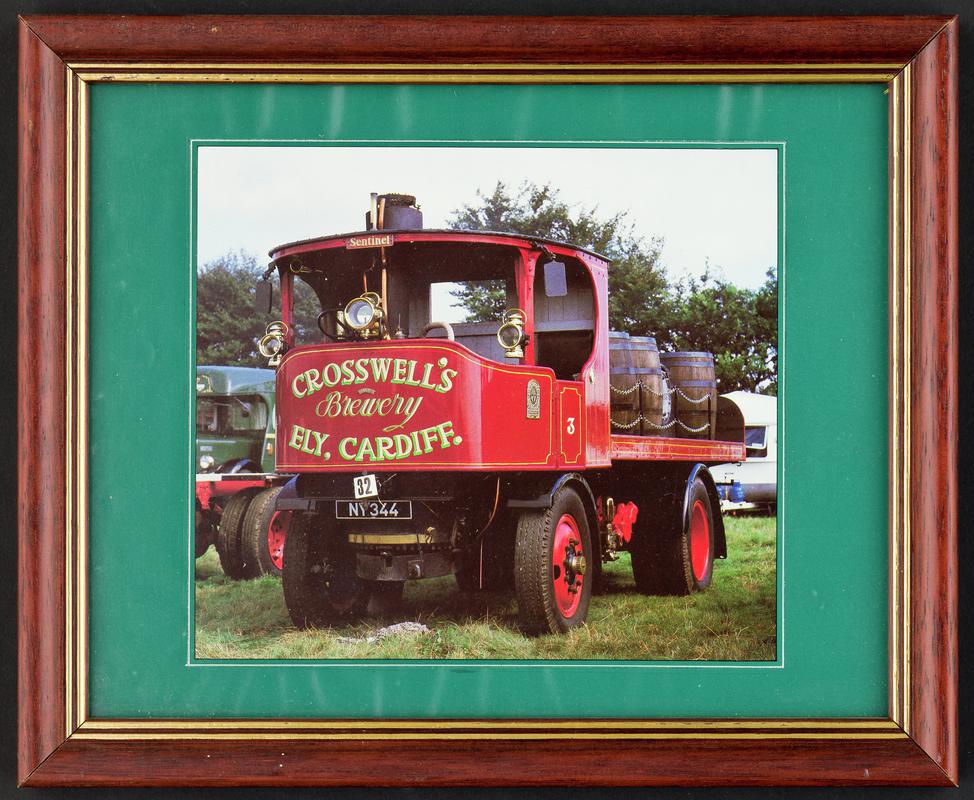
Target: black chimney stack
<point>396,212</point>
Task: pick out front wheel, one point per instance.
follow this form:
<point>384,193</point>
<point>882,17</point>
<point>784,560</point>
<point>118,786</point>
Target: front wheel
<point>320,584</point>
<point>552,553</point>
<point>263,534</point>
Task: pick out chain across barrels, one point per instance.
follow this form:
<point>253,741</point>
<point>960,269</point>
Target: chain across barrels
<point>665,393</point>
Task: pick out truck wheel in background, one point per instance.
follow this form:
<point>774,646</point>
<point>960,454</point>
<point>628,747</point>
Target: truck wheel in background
<point>320,583</point>
<point>227,540</point>
<point>203,532</point>
<point>551,576</point>
<point>263,534</point>
<point>672,555</point>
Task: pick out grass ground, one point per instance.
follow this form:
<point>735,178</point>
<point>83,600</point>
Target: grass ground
<point>733,621</point>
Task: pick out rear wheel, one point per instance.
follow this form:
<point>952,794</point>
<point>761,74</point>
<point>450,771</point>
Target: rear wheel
<point>203,537</point>
<point>318,575</point>
<point>552,551</point>
<point>263,535</point>
<point>673,553</point>
<point>228,534</point>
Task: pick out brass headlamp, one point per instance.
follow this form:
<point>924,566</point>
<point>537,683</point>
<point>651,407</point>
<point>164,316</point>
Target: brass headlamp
<point>272,343</point>
<point>510,335</point>
<point>364,312</point>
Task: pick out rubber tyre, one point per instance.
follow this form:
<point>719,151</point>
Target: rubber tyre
<point>203,533</point>
<point>671,558</point>
<point>538,574</point>
<point>256,555</point>
<point>319,580</point>
<point>228,534</point>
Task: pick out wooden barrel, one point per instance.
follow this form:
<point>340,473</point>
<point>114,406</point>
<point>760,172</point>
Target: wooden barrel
<point>646,363</point>
<point>623,386</point>
<point>695,401</point>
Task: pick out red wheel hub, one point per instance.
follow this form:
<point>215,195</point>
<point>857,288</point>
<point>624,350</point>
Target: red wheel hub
<point>699,540</point>
<point>567,566</point>
<point>276,534</point>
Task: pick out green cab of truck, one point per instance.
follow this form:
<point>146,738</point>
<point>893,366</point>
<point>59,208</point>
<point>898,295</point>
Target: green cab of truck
<point>235,425</point>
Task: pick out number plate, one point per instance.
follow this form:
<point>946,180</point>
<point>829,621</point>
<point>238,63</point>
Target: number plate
<point>373,509</point>
<point>365,486</point>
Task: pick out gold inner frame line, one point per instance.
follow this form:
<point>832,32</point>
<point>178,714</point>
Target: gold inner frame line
<point>79,75</point>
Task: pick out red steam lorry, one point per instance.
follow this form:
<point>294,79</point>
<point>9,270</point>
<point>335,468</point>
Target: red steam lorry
<point>524,451</point>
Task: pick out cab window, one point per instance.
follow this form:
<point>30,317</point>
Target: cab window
<point>564,317</point>
<point>227,416</point>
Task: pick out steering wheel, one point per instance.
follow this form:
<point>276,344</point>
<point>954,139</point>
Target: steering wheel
<point>445,325</point>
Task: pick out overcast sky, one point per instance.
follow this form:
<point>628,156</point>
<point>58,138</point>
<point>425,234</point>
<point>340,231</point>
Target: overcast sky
<point>716,204</point>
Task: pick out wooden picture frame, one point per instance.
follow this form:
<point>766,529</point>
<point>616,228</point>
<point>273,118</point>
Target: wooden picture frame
<point>916,743</point>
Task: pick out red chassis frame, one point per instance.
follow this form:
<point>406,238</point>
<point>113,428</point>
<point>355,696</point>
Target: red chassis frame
<point>915,744</point>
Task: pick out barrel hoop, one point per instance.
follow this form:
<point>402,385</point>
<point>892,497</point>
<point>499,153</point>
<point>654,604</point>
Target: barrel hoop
<point>686,354</point>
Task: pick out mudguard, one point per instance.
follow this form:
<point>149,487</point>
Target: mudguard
<point>720,539</point>
<point>238,465</point>
<point>539,492</point>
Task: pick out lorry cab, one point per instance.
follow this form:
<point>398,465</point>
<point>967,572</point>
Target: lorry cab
<point>234,419</point>
<point>541,402</point>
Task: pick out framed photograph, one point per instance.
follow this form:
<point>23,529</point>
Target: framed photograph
<point>487,401</point>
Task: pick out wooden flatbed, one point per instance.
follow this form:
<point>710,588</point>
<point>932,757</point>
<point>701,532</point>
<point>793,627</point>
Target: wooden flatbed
<point>667,448</point>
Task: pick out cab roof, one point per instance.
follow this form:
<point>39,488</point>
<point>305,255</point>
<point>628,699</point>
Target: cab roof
<point>430,235</point>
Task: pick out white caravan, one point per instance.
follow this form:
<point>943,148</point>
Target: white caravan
<point>758,475</point>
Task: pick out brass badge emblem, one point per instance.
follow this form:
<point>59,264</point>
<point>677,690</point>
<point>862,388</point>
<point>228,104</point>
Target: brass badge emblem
<point>534,399</point>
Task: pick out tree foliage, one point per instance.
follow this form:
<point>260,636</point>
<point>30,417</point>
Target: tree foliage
<point>637,283</point>
<point>740,326</point>
<point>227,324</point>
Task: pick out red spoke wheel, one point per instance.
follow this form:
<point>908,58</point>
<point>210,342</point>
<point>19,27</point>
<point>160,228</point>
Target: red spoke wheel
<point>701,544</point>
<point>264,533</point>
<point>567,565</point>
<point>229,535</point>
<point>321,586</point>
<point>276,534</point>
<point>673,552</point>
<point>552,565</point>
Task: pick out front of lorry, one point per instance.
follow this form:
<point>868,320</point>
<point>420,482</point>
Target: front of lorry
<point>407,432</point>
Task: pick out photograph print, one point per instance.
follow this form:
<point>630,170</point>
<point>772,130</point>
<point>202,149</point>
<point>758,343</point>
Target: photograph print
<point>486,402</point>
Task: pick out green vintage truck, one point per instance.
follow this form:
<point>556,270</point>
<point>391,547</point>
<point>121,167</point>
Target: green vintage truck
<point>236,486</point>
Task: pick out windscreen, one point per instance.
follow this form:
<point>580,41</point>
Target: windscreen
<point>231,416</point>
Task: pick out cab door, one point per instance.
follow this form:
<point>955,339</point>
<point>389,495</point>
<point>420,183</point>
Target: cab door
<point>570,413</point>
